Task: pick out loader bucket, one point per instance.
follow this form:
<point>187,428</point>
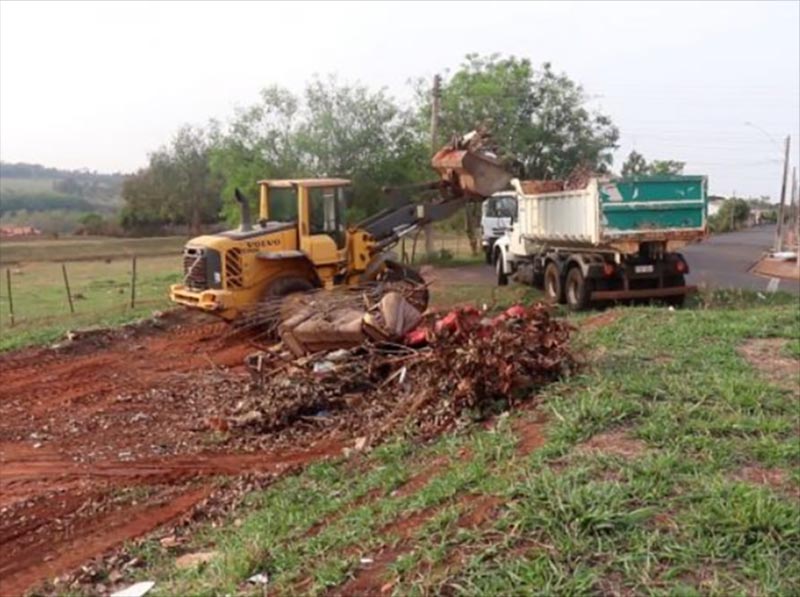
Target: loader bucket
<point>476,174</point>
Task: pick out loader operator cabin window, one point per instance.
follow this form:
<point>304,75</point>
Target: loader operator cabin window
<point>282,205</point>
<point>326,211</point>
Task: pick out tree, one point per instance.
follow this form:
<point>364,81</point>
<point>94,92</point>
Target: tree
<point>335,129</point>
<point>635,164</point>
<point>92,224</point>
<point>665,167</point>
<point>177,187</point>
<point>725,221</point>
<point>353,132</point>
<point>259,143</point>
<point>537,115</point>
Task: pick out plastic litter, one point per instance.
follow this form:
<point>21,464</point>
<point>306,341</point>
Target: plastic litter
<point>135,590</point>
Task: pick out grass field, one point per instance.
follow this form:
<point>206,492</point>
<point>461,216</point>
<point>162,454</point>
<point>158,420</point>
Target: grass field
<point>101,296</point>
<point>670,467</point>
<point>86,248</point>
<point>27,185</point>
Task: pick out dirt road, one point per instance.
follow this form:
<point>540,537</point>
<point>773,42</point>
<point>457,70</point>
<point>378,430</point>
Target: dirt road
<point>112,436</point>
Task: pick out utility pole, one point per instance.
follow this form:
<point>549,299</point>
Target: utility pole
<point>733,211</point>
<point>796,201</point>
<point>436,95</point>
<point>779,231</point>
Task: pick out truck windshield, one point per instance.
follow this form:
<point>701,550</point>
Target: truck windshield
<point>502,207</point>
<point>282,205</point>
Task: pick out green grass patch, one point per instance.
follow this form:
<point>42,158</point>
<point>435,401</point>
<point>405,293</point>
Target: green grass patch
<point>87,248</point>
<point>101,292</point>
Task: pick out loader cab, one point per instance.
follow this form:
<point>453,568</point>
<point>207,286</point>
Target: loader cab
<point>316,206</point>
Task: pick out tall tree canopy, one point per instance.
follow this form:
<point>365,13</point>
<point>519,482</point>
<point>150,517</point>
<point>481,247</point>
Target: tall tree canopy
<point>636,165</point>
<point>177,187</point>
<point>349,130</point>
<point>539,116</point>
<point>334,129</point>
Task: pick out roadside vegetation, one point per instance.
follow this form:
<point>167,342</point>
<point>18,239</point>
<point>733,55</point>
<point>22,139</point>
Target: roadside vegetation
<point>667,465</point>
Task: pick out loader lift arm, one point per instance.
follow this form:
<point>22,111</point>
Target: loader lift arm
<point>404,216</point>
<point>467,171</point>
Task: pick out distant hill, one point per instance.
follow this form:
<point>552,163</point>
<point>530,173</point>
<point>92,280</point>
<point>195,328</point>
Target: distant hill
<point>22,180</point>
<point>53,199</point>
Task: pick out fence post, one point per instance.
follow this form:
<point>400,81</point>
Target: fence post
<point>133,282</point>
<point>10,298</point>
<point>66,284</point>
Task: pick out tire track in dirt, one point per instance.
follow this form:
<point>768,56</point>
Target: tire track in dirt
<point>81,428</point>
<point>67,550</point>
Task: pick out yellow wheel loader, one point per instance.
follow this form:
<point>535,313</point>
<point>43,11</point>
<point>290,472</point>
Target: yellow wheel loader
<point>300,241</point>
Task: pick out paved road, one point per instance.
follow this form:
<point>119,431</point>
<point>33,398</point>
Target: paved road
<point>723,261</point>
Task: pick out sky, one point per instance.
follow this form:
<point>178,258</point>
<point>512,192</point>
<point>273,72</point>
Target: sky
<point>98,85</point>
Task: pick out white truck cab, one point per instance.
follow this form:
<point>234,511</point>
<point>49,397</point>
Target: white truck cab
<point>497,214</point>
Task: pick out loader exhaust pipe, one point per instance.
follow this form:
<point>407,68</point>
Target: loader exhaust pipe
<point>245,224</point>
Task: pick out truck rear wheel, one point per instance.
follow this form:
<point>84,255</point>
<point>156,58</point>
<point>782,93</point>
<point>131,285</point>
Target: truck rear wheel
<point>577,290</point>
<point>552,284</point>
<point>679,300</point>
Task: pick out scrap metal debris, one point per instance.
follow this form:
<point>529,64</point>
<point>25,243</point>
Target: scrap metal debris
<point>441,374</point>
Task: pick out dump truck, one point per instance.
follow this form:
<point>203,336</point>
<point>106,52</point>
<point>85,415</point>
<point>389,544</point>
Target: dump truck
<point>497,213</point>
<point>612,240</point>
<point>301,241</point>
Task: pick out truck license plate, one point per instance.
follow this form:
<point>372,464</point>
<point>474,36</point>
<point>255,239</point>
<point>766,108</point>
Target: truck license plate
<point>643,269</point>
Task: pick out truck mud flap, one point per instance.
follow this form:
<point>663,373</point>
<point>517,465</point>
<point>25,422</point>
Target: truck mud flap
<point>612,295</point>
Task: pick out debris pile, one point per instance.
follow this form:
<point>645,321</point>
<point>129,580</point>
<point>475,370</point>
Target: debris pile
<point>446,372</point>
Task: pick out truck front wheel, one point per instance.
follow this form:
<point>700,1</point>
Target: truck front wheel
<point>502,276</point>
<point>577,290</point>
<point>552,284</point>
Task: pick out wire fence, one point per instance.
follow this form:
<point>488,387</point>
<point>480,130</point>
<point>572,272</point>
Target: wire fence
<point>40,293</point>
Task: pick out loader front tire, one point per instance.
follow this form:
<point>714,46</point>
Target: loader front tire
<point>502,277</point>
<point>287,285</point>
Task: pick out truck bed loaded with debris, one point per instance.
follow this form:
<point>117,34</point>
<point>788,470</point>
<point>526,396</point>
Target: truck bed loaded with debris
<point>599,240</point>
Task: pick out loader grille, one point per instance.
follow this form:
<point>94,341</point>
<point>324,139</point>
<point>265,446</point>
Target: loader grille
<point>233,268</point>
<point>194,268</point>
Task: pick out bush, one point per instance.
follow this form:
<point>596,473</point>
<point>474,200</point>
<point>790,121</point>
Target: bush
<point>722,221</point>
